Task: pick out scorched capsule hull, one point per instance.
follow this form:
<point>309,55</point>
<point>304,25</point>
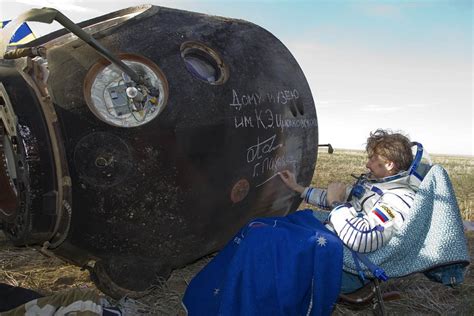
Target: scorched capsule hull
<point>138,172</point>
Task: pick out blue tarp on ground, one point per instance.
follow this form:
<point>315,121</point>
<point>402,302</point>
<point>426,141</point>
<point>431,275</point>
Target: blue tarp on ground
<point>273,266</point>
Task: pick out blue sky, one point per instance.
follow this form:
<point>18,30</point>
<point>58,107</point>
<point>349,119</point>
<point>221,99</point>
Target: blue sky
<point>403,65</point>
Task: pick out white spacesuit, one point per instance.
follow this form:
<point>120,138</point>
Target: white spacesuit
<point>375,209</point>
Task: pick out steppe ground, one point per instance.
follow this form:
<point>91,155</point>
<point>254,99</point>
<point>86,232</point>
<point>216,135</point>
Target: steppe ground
<point>29,268</point>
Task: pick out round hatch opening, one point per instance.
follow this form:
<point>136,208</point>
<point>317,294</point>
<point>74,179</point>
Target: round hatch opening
<point>117,100</point>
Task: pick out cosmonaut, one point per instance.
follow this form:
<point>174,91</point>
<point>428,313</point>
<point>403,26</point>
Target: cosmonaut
<point>367,214</point>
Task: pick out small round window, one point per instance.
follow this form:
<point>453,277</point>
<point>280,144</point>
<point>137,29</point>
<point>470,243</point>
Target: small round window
<point>204,63</point>
<point>115,99</point>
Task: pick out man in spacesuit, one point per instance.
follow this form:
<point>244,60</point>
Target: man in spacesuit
<point>367,214</point>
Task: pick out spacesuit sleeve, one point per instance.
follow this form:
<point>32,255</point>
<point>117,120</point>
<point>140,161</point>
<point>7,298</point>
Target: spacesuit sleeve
<point>316,197</point>
<point>368,231</point>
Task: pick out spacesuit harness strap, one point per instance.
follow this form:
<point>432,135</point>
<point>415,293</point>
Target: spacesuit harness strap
<point>376,271</point>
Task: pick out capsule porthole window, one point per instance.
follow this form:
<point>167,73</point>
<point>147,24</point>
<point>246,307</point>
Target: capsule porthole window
<point>204,63</point>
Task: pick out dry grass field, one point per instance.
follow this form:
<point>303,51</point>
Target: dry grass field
<point>29,268</point>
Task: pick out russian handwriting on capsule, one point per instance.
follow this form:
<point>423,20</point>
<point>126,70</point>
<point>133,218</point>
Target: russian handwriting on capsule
<point>262,148</point>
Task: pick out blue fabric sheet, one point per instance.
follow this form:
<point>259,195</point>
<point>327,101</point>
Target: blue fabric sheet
<point>273,266</point>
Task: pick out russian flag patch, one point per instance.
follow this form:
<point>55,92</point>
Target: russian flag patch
<point>381,215</point>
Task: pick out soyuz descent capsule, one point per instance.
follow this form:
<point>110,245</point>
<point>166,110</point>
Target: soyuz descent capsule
<point>139,141</point>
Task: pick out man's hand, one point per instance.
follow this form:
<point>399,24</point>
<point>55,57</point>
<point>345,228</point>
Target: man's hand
<point>336,192</point>
<point>290,180</point>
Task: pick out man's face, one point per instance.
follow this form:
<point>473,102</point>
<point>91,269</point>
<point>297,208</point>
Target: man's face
<point>379,166</point>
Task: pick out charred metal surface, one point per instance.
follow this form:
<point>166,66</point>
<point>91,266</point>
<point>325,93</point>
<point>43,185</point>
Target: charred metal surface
<point>154,197</point>
<point>8,193</point>
<point>34,218</point>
